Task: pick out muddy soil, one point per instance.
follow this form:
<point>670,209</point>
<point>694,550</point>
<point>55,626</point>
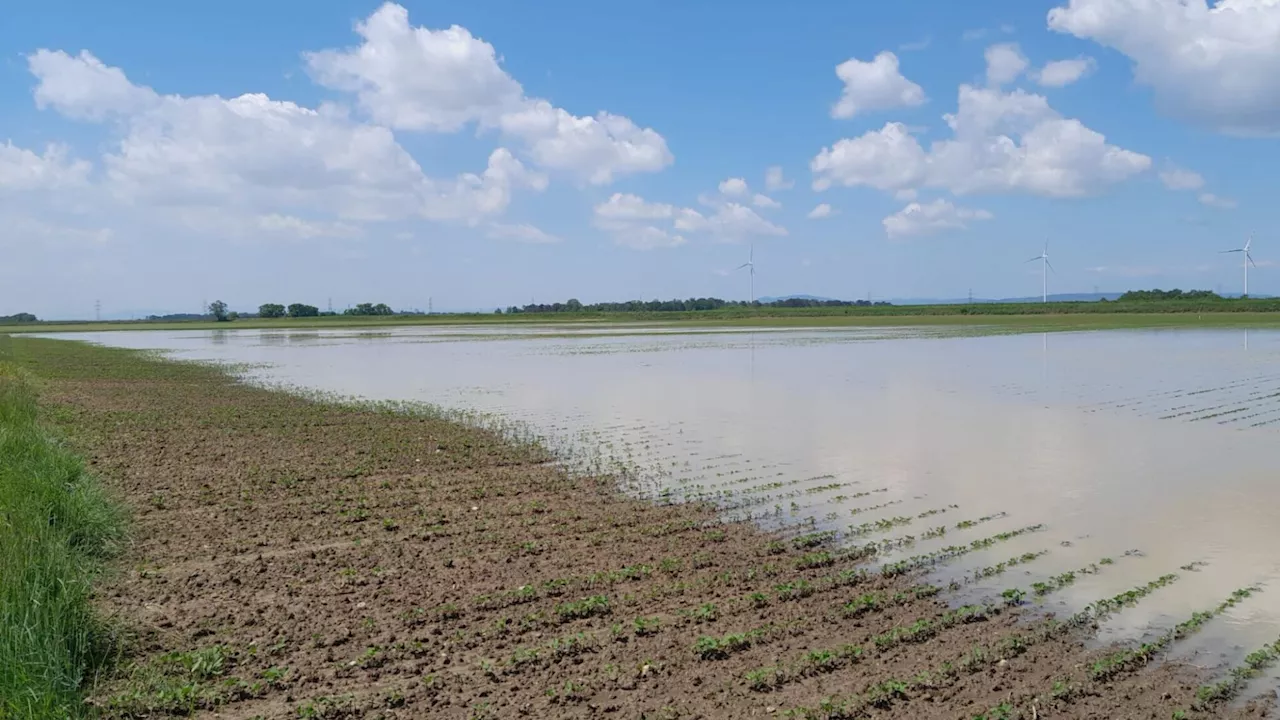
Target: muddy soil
<point>300,559</point>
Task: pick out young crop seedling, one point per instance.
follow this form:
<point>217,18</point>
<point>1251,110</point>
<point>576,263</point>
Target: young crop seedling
<point>1005,565</point>
<point>647,626</point>
<point>705,613</point>
<point>815,560</point>
<point>584,608</point>
<point>878,526</point>
<point>813,540</point>
<point>858,511</point>
<point>870,602</point>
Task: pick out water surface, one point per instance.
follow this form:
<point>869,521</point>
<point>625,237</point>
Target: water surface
<point>1164,443</point>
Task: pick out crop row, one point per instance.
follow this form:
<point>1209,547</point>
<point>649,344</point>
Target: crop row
<point>1013,596</point>
<point>950,552</point>
<point>1122,661</point>
<point>962,525</point>
<point>1132,658</point>
<point>1000,567</point>
<point>883,695</point>
<point>828,660</point>
<point>1219,693</point>
<point>886,524</point>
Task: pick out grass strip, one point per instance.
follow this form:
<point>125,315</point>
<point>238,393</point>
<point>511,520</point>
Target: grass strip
<point>57,526</point>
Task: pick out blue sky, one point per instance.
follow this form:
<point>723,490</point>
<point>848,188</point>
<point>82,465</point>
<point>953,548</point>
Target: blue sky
<point>156,156</point>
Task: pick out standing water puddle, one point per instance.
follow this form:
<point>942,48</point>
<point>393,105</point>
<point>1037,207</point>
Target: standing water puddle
<point>1154,449</point>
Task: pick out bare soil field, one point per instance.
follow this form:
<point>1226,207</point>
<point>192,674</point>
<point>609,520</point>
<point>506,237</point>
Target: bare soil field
<point>299,559</point>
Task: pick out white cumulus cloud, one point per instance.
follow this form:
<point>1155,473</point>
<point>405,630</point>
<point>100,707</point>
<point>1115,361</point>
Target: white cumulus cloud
<point>733,186</point>
<point>417,78</point>
<point>636,222</point>
<point>931,217</point>
<point>647,237</point>
<point>1001,142</point>
<point>1214,63</point>
<point>522,232</point>
<point>1176,178</point>
<point>625,207</point>
<point>1217,201</point>
<point>887,159</point>
<point>1005,62</point>
<point>873,85</point>
<point>764,201</point>
<point>22,169</point>
<point>774,180</point>
<point>260,156</point>
<point>823,210</point>
<point>83,87</point>
<point>733,222</point>
<point>302,229</point>
<point>1061,73</point>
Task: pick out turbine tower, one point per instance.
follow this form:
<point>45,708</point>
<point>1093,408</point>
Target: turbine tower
<point>750,265</point>
<point>1248,260</point>
<point>1045,267</point>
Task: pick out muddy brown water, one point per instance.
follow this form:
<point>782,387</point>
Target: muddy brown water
<point>1166,443</point>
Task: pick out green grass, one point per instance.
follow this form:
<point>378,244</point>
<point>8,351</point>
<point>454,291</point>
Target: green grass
<point>56,527</point>
<point>1015,317</point>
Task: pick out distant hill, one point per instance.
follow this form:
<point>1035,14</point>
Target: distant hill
<point>780,298</point>
<point>1059,297</point>
<point>1065,297</point>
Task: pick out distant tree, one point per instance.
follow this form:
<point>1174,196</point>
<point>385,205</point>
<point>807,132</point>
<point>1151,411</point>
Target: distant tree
<point>1174,294</point>
<point>572,305</point>
<point>300,310</point>
<point>271,310</point>
<point>369,309</point>
<point>233,315</point>
<point>21,317</point>
<point>218,310</point>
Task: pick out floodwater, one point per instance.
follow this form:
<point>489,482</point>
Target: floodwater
<point>1165,443</point>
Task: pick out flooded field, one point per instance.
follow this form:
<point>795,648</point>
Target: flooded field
<point>1093,461</point>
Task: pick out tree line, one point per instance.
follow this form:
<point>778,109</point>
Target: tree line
<point>219,311</point>
<point>1175,294</point>
<point>16,318</point>
<point>690,305</point>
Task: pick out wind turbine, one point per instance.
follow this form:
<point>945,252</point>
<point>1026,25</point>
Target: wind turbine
<point>750,264</point>
<point>1248,260</point>
<point>1045,267</point>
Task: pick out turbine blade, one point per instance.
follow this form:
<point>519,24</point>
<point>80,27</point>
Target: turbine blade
<point>1251,262</point>
<point>742,266</point>
<point>1035,258</point>
<point>1231,251</point>
<point>1046,262</point>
